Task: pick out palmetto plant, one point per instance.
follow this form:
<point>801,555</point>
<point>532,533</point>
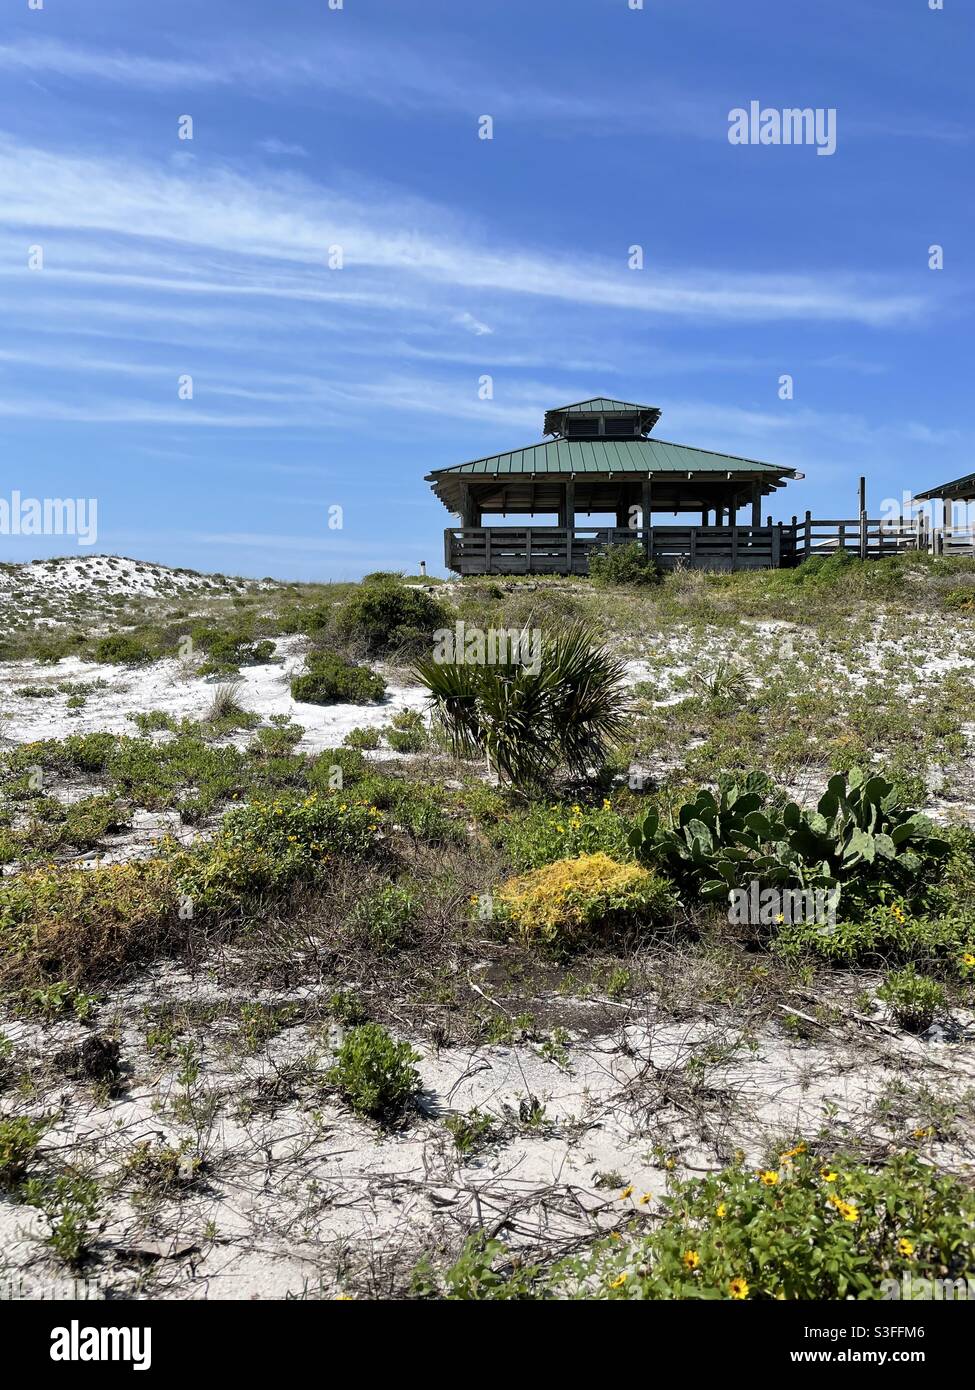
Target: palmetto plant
<point>529,721</point>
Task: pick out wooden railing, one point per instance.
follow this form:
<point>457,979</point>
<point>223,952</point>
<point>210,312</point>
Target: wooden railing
<point>562,550</point>
<point>859,536</point>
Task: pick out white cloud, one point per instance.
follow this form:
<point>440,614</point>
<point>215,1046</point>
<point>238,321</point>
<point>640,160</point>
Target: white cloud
<point>472,324</point>
<point>280,228</point>
<point>282,147</point>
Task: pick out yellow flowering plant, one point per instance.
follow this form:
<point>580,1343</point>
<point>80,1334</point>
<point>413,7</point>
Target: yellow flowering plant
<point>566,903</point>
<point>829,1228</point>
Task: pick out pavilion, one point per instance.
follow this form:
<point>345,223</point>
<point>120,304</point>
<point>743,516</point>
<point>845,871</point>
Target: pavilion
<point>600,459</point>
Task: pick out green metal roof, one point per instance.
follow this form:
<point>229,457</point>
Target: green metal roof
<point>610,456</point>
<point>599,405</point>
<point>959,488</point>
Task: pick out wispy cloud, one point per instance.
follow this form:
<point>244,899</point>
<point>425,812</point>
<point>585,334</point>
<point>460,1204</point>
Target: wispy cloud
<point>472,324</point>
<point>280,230</point>
<point>283,147</point>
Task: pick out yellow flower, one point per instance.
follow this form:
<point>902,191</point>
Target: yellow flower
<point>721,1210</point>
<point>738,1288</point>
<point>691,1259</point>
<point>619,1281</point>
<point>792,1153</point>
<point>827,1175</point>
<point>968,959</point>
<point>769,1178</point>
<point>615,1235</point>
<point>905,1247</point>
<point>846,1209</point>
<point>627,1192</point>
<point>607,805</point>
<point>646,1199</point>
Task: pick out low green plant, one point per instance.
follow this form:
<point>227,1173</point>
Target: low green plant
<point>384,918</point>
<point>544,832</point>
<point>807,1228</point>
<point>913,998</point>
<point>375,1074</point>
<point>470,1132</point>
<point>347,1008</point>
<point>121,649</point>
<point>629,564</point>
<point>363,740</point>
<point>19,1141</point>
<point>71,1202</point>
<point>407,732</point>
<point>329,679</point>
<point>885,933</point>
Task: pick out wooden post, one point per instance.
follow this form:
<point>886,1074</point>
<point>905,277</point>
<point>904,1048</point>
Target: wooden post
<point>776,546</point>
<point>756,504</point>
<point>528,550</point>
<point>863,518</point>
<point>704,516</point>
<point>466,507</point>
<point>569,511</point>
<point>487,550</point>
<point>646,509</point>
<point>734,544</point>
<point>808,545</point>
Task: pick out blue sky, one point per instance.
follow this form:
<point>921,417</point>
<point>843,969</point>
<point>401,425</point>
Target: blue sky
<point>316,387</point>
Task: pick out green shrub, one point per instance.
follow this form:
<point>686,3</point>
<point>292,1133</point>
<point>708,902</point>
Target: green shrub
<point>122,650</point>
<point>351,765</point>
<point>330,679</point>
<point>276,741</point>
<point>883,934</point>
<point>375,1074</point>
<point>271,843</point>
<point>569,903</point>
<point>413,806</point>
<point>70,1202</point>
<point>613,565</point>
<point>363,739</point>
<point>154,721</point>
<point>807,1228</point>
<point>69,924</point>
<point>407,732</point>
<point>387,616</point>
<point>227,649</point>
<point>543,833</point>
<point>19,1140</point>
<point>384,918</point>
<point>914,998</point>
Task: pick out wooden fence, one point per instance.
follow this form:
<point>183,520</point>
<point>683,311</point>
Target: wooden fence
<point>566,550</point>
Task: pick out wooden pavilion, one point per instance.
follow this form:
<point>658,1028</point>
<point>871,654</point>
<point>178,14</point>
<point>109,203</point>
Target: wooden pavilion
<point>600,459</point>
